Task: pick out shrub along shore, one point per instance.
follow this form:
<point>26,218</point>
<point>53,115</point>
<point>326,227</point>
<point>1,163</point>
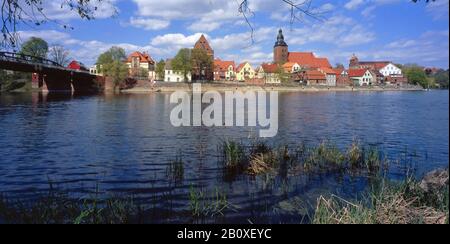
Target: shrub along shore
<point>385,201</point>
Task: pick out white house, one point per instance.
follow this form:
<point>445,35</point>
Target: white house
<point>391,70</point>
<point>361,77</point>
<point>269,73</point>
<point>138,63</point>
<point>330,75</point>
<point>171,75</point>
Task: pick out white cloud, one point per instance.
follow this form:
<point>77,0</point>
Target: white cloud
<point>354,4</point>
<point>149,24</point>
<point>337,30</point>
<point>439,10</point>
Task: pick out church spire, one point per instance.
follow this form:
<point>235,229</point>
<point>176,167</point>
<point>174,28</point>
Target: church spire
<point>280,39</point>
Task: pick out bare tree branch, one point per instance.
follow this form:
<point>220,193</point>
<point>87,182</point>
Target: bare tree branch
<point>32,14</point>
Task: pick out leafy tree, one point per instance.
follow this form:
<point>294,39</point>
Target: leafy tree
<point>160,69</point>
<point>282,75</point>
<point>35,47</point>
<point>442,78</point>
<point>417,76</point>
<point>182,62</point>
<point>59,55</point>
<point>202,63</point>
<point>111,64</point>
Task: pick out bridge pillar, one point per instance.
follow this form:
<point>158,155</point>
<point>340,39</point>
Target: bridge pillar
<point>37,81</point>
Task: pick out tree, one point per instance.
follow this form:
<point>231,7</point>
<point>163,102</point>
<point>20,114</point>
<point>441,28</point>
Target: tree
<point>182,62</point>
<point>160,69</point>
<point>32,13</point>
<point>417,76</point>
<point>282,75</point>
<point>442,78</point>
<point>202,63</point>
<point>59,55</point>
<point>111,64</point>
<point>35,47</point>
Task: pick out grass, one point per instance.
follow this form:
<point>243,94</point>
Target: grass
<point>387,203</point>
<point>175,170</point>
<point>204,204</point>
<point>58,208</point>
<point>259,158</point>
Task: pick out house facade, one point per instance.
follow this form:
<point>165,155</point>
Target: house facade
<point>384,72</point>
<point>224,70</point>
<point>331,76</point>
<point>245,72</point>
<point>171,75</point>
<point>292,67</point>
<point>361,77</point>
<point>269,73</point>
<point>141,65</point>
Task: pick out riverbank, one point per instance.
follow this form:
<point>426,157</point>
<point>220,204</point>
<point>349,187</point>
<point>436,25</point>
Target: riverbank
<point>146,87</point>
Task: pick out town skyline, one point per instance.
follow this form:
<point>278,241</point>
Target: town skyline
<point>350,27</point>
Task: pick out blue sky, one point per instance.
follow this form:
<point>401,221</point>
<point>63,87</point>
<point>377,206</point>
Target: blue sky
<point>395,30</point>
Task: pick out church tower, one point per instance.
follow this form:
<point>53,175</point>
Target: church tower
<point>280,50</point>
<point>354,62</point>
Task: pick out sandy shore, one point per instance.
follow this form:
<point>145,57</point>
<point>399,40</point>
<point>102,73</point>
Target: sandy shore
<point>222,87</point>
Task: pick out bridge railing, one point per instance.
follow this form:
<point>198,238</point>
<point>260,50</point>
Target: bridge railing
<point>17,57</point>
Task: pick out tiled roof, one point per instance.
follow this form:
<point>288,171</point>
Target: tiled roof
<point>220,65</point>
<point>327,70</point>
<point>269,68</point>
<point>357,72</point>
<point>315,75</point>
<point>308,59</point>
<point>241,66</point>
<point>375,64</point>
<point>143,57</point>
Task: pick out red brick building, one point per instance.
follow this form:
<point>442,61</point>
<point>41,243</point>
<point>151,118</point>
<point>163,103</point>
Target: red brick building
<point>208,73</point>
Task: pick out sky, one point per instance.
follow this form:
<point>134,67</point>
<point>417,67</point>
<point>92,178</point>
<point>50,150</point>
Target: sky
<point>388,30</point>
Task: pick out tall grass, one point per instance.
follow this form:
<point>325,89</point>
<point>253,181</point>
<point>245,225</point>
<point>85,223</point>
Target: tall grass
<point>386,203</point>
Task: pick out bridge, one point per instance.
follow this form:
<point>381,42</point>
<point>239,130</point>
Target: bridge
<point>49,75</point>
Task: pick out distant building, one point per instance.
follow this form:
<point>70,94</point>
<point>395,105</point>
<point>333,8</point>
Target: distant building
<point>306,60</point>
<point>207,74</point>
<point>140,64</point>
<point>75,65</point>
<point>94,70</point>
<point>245,72</point>
<point>314,78</point>
<point>342,78</point>
<point>269,73</point>
<point>383,72</point>
<point>292,67</point>
<point>330,74</point>
<point>224,70</point>
<point>174,76</point>
<point>361,77</point>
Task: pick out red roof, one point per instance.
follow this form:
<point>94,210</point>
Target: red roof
<point>315,75</point>
<point>308,59</point>
<point>327,70</point>
<point>241,66</point>
<point>220,65</point>
<point>143,57</point>
<point>75,65</point>
<point>269,68</point>
<point>375,64</point>
<point>356,72</point>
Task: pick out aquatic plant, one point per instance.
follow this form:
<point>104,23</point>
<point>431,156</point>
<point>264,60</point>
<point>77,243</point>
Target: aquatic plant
<point>233,155</point>
<point>175,170</point>
<point>355,155</point>
<point>386,203</point>
<point>204,204</point>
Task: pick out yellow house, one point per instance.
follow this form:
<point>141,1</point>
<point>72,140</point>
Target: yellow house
<point>244,72</point>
